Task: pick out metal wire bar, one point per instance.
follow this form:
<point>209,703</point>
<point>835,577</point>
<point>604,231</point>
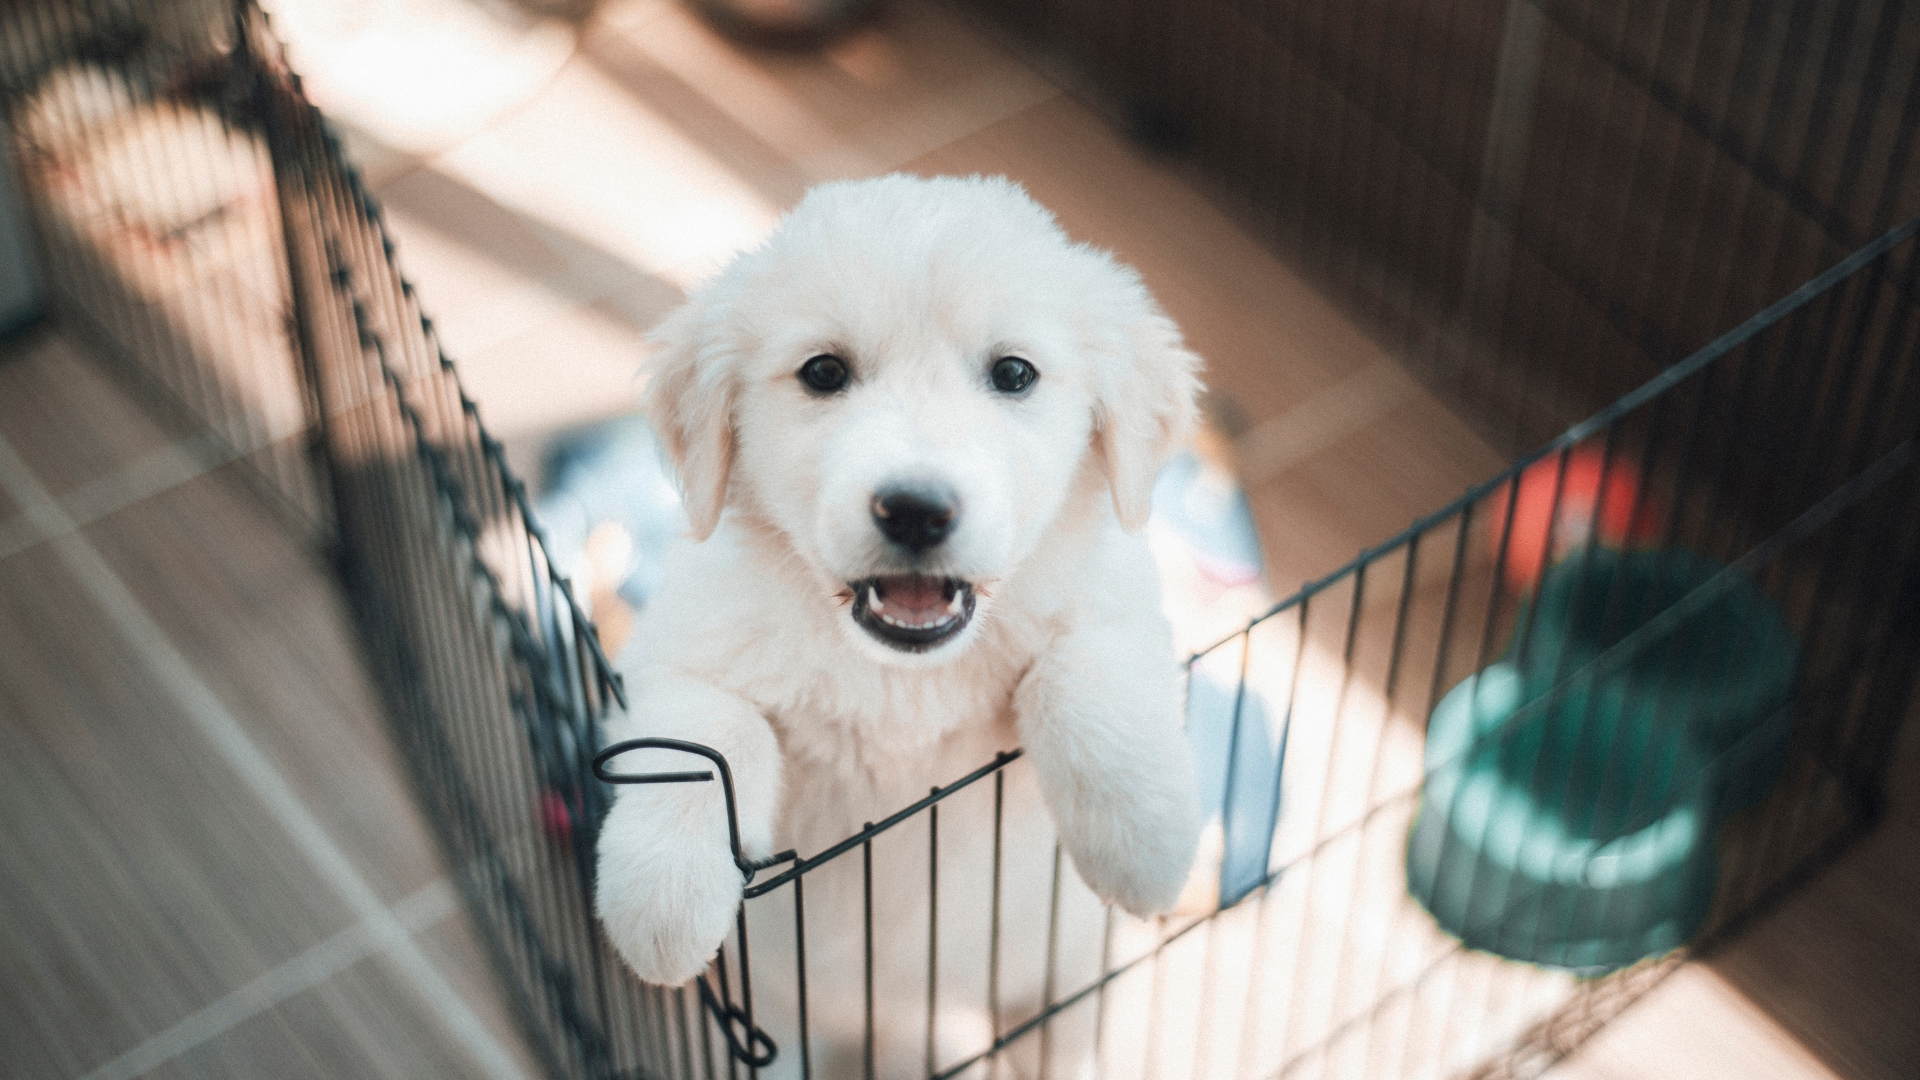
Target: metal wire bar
<point>866,950</point>
<point>994,1016</point>
<point>1053,957</point>
<point>800,974</point>
<point>801,866</point>
<point>933,931</point>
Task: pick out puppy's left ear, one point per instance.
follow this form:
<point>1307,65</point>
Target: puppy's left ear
<point>1144,410</point>
<point>689,401</point>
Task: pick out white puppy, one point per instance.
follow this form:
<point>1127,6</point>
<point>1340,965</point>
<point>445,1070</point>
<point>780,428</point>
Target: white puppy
<point>916,431</point>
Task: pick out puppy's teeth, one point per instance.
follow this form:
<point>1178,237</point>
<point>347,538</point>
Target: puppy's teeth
<point>873,600</point>
<point>953,605</point>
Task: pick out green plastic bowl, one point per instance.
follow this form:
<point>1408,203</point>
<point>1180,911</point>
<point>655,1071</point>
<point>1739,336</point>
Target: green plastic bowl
<point>1574,788</point>
<point>1712,649</point>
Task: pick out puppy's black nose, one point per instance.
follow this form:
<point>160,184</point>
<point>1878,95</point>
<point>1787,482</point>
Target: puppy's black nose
<point>916,518</point>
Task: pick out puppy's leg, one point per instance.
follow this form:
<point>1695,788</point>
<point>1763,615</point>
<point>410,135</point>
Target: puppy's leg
<point>1100,718</point>
<point>668,885</point>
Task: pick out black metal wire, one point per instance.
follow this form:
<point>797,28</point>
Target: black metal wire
<point>603,771</point>
<point>866,956</point>
<point>756,1050</point>
<point>933,930</point>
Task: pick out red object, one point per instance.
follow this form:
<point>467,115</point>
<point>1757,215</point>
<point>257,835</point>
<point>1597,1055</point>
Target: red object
<point>1627,516</point>
<point>556,817</point>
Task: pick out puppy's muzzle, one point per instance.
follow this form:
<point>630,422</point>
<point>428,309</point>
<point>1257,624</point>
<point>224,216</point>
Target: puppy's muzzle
<point>916,518</point>
<point>914,612</point>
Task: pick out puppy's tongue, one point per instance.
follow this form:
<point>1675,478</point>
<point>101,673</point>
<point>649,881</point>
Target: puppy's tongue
<point>913,600</point>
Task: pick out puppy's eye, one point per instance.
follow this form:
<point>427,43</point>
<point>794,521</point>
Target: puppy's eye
<point>825,374</point>
<point>1012,375</point>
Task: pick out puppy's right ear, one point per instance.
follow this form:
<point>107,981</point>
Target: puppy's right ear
<point>689,400</point>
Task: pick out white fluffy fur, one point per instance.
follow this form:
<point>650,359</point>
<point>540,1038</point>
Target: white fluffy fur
<point>749,648</point>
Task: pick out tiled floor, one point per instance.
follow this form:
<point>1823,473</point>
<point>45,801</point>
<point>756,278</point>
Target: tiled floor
<point>211,856</point>
<point>202,812</point>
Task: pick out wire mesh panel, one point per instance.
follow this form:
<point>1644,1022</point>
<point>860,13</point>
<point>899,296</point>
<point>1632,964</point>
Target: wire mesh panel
<point>1609,703</point>
<point>1537,203</point>
<point>1527,755</point>
<point>495,676</point>
<point>1496,776</point>
<point>202,228</point>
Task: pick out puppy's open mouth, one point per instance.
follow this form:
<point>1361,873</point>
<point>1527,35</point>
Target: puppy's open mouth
<point>912,612</point>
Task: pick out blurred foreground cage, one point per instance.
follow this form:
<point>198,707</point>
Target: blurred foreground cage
<point>1491,763</point>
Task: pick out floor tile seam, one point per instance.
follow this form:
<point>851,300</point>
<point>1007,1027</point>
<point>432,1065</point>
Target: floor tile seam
<point>217,724</point>
<point>897,143</point>
<point>415,913</point>
<point>434,157</point>
<point>154,473</point>
<point>1284,441</point>
<point>426,157</point>
<point>820,166</point>
<point>570,293</point>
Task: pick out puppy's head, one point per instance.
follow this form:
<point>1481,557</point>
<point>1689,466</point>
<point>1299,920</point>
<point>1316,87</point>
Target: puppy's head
<point>907,383</point>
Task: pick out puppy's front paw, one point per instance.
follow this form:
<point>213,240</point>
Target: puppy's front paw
<point>667,903</point>
<point>1134,848</point>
